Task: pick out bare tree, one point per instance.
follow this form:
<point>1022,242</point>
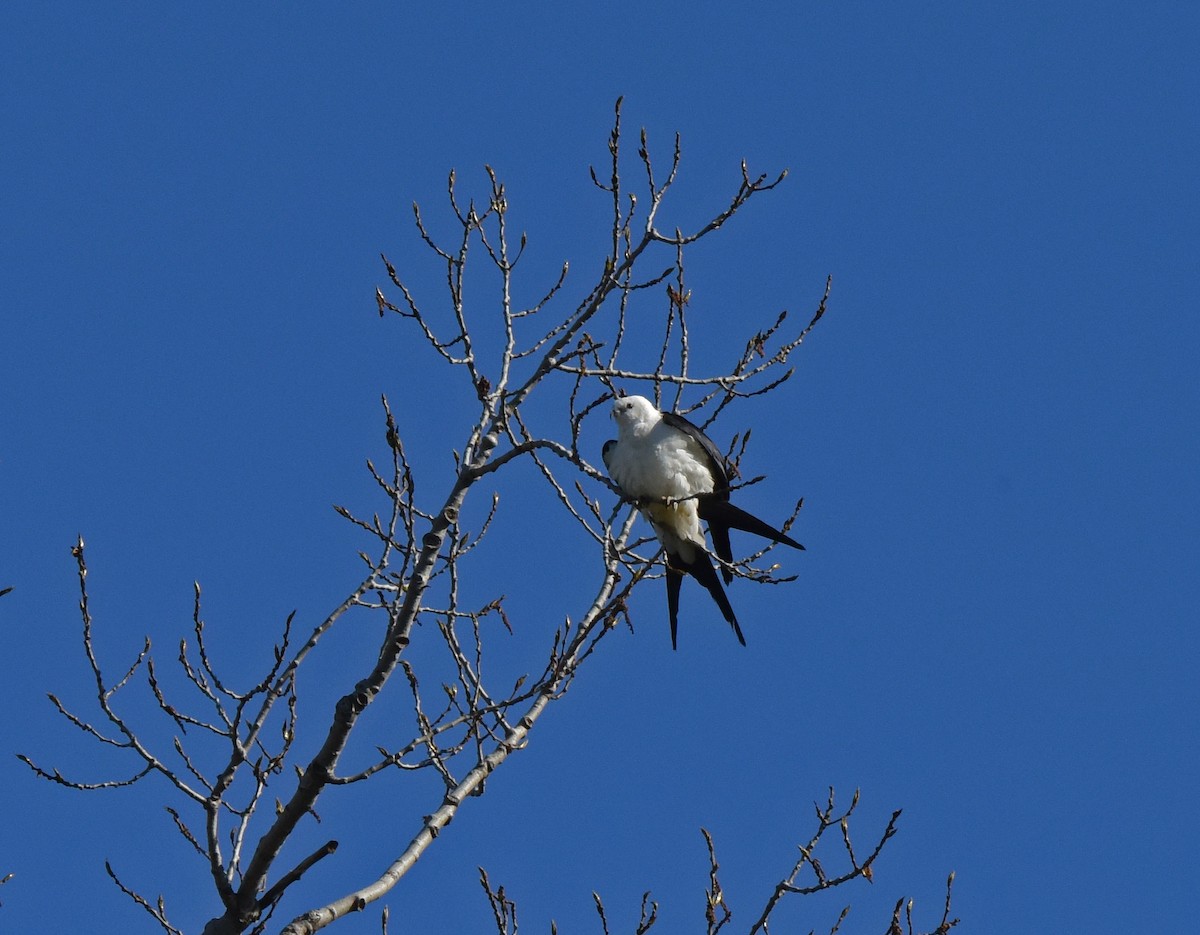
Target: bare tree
<point>806,877</point>
<point>538,378</point>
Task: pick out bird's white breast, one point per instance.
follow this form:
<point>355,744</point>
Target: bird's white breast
<point>664,464</point>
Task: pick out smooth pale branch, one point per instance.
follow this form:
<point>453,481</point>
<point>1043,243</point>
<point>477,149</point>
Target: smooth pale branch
<point>678,478</point>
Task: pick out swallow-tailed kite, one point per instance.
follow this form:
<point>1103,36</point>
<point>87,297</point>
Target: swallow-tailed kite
<point>677,477</point>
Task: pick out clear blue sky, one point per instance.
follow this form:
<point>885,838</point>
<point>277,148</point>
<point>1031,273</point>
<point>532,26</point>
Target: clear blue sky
<point>995,430</point>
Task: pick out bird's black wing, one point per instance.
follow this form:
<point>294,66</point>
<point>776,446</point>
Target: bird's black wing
<point>606,452</point>
<point>722,470</point>
<point>722,515</point>
<point>715,508</point>
<point>722,473</point>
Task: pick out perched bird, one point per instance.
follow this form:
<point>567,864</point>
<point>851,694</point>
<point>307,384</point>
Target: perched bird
<point>677,477</point>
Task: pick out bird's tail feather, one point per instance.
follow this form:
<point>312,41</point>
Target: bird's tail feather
<point>701,568</point>
<point>674,580</point>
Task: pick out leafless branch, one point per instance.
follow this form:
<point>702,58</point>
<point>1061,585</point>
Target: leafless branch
<point>156,910</point>
<point>827,817</point>
<point>504,910</point>
<point>717,911</point>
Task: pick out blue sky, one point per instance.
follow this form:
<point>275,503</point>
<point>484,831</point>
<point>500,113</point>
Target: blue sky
<point>994,428</point>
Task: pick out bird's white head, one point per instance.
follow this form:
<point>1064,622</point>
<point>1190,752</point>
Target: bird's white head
<point>634,415</point>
